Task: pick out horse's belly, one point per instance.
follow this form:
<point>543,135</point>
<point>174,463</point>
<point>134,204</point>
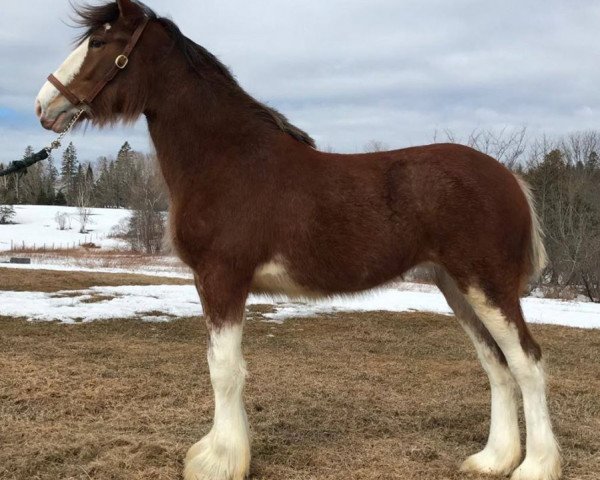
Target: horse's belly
<point>274,278</point>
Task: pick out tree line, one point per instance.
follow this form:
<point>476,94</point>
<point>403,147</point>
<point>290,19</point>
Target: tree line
<point>130,181</point>
<point>105,183</point>
<point>563,172</point>
<point>565,176</point>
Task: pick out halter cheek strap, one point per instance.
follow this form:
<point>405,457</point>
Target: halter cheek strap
<point>120,63</point>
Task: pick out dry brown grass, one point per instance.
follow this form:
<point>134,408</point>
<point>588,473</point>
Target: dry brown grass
<point>94,258</point>
<point>23,280</point>
<point>347,396</point>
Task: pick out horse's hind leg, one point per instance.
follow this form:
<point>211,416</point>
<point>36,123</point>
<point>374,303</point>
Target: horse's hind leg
<point>224,453</point>
<point>500,311</point>
<point>502,452</point>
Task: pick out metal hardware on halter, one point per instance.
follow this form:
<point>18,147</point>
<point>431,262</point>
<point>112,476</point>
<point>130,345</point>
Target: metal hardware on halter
<point>121,61</point>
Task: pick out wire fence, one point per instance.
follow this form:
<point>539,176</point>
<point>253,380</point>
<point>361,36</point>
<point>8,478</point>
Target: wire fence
<point>88,241</point>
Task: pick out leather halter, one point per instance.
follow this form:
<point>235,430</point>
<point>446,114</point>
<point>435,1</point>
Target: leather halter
<point>120,63</point>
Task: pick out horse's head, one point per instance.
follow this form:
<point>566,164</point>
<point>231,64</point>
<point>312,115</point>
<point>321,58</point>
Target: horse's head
<point>81,81</point>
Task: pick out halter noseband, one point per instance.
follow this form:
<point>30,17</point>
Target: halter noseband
<point>120,63</point>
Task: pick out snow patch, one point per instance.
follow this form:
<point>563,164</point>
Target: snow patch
<point>36,227</point>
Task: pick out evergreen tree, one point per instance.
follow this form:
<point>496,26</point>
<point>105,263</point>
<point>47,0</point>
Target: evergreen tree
<point>83,187</point>
<point>50,181</point>
<point>31,183</point>
<point>124,173</point>
<point>102,193</point>
<point>593,162</point>
<point>79,177</point>
<point>89,174</point>
<point>4,186</point>
<point>17,179</point>
<point>89,182</point>
<point>68,173</point>
<point>59,198</point>
<point>113,187</point>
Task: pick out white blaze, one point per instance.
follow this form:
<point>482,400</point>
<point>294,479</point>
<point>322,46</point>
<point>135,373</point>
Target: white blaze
<point>65,73</point>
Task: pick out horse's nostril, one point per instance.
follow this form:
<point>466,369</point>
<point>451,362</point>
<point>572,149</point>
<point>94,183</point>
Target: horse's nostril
<point>45,122</point>
<point>38,108</point>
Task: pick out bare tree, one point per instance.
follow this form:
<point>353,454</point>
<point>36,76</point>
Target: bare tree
<point>84,216</point>
<point>7,213</point>
<point>581,148</point>
<point>505,145</point>
<point>565,176</point>
<point>375,146</point>
<point>149,202</point>
<point>83,201</point>
<point>62,221</point>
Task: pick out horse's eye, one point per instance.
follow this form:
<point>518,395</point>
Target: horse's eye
<point>96,43</point>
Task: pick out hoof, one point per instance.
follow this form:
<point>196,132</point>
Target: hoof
<point>545,469</point>
<point>210,459</point>
<point>489,463</point>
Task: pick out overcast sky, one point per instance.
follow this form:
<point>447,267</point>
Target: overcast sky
<point>348,71</point>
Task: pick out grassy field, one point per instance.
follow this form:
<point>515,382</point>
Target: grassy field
<point>94,258</point>
<point>351,396</point>
<point>52,281</point>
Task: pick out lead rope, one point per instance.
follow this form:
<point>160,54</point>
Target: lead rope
<point>21,166</point>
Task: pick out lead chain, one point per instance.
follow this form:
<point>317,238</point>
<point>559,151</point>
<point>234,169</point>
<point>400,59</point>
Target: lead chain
<point>56,143</point>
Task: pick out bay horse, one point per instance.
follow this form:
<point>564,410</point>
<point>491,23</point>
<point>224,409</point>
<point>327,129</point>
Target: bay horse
<point>255,207</point>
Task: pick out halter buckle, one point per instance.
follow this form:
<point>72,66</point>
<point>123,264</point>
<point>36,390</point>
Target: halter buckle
<point>121,61</point>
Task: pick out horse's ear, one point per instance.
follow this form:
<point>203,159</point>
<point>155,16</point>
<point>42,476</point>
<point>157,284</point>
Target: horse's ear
<point>129,9</point>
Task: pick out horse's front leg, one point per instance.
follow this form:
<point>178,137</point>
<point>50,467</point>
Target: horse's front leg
<point>223,454</point>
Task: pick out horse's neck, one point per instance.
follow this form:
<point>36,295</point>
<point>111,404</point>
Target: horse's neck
<point>196,125</point>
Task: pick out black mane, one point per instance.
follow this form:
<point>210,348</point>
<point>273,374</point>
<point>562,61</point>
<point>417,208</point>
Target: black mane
<point>92,17</point>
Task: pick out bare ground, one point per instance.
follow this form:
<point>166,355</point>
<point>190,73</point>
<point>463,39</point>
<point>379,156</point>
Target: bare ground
<point>347,396</point>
